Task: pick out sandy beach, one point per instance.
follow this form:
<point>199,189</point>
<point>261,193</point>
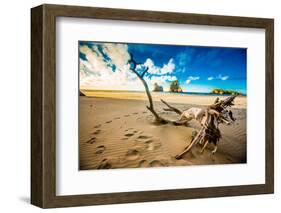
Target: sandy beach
<point>117,131</point>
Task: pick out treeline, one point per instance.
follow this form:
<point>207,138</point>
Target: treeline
<point>225,92</point>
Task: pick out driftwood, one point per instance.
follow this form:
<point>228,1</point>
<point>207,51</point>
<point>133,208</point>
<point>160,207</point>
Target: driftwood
<point>209,133</point>
<point>209,117</point>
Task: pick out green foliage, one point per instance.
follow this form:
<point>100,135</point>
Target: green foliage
<point>175,87</point>
<point>225,92</point>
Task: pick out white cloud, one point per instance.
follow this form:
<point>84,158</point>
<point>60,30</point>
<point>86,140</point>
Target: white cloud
<point>168,68</point>
<point>192,78</point>
<point>223,77</point>
<point>118,53</point>
<point>165,69</point>
<point>98,73</point>
<point>94,61</point>
<point>219,77</point>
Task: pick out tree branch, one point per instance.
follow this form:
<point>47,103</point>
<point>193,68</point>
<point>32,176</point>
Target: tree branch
<point>171,108</point>
<point>146,69</point>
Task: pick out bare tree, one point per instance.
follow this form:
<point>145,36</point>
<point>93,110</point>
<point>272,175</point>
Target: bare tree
<point>158,118</point>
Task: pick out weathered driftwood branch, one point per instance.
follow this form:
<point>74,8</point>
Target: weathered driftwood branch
<point>134,64</point>
<point>192,143</point>
<point>171,108</point>
<point>209,133</point>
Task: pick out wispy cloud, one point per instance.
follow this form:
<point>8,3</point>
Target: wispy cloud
<point>223,77</point>
<point>219,77</point>
<point>192,78</point>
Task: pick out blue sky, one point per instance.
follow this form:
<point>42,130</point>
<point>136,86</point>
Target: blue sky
<point>198,69</point>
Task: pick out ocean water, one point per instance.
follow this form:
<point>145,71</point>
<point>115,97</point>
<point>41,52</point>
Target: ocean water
<point>197,93</point>
<point>173,93</point>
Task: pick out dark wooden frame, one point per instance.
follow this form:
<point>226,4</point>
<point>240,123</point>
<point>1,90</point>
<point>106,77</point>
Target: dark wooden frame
<point>43,105</point>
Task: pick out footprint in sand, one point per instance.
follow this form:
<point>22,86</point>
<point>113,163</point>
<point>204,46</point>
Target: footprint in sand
<point>104,164</point>
<point>129,134</point>
<point>156,163</point>
<point>147,141</point>
<point>100,149</point>
<point>153,145</point>
<point>135,113</point>
<point>126,115</point>
<point>92,140</point>
<point>116,118</point>
<point>143,137</point>
<point>107,122</point>
<point>124,139</point>
<point>143,163</point>
<point>96,132</point>
<point>132,154</point>
<point>97,126</point>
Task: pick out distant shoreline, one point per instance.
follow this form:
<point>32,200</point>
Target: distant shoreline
<point>164,92</point>
<point>182,98</point>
